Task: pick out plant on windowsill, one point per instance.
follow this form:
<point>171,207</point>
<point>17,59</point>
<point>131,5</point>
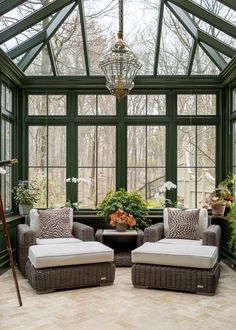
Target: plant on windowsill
<point>169,187</point>
<point>231,216</point>
<point>218,200</point>
<point>25,195</point>
<point>132,203</point>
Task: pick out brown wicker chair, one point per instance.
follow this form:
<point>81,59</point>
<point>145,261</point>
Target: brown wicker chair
<point>26,237</point>
<point>163,275</point>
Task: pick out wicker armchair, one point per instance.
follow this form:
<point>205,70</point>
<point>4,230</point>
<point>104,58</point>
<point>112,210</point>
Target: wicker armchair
<point>26,236</point>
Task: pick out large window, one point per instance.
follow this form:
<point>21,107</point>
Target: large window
<point>80,146</point>
<point>195,164</point>
<point>7,120</point>
<point>96,163</point>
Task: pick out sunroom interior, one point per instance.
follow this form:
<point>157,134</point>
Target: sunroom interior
<point>76,141</point>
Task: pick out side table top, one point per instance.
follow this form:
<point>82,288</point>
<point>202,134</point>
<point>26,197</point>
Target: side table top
<point>114,232</point>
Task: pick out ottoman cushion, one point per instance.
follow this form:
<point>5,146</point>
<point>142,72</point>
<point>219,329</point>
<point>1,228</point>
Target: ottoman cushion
<point>180,241</point>
<point>176,255</point>
<point>58,240</point>
<point>52,255</point>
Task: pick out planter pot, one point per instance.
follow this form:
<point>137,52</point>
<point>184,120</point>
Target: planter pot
<point>121,227</point>
<point>218,209</point>
<point>24,209</point>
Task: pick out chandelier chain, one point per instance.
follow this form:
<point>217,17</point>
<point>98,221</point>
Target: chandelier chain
<point>121,16</point>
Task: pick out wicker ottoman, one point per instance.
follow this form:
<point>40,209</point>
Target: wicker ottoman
<point>168,266</point>
<point>67,266</point>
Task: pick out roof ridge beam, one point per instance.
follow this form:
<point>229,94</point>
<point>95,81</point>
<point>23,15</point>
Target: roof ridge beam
<point>33,19</point>
<point>206,16</point>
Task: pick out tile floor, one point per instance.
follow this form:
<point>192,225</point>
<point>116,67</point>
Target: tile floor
<point>118,307</point>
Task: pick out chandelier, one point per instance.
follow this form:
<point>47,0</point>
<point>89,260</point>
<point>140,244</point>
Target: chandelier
<point>120,64</point>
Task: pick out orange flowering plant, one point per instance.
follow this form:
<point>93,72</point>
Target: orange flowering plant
<point>120,216</point>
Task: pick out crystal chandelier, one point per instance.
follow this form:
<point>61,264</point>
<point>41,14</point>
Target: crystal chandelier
<point>120,64</point>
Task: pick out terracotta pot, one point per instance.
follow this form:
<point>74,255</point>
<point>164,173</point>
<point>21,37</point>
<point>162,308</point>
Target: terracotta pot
<point>218,209</point>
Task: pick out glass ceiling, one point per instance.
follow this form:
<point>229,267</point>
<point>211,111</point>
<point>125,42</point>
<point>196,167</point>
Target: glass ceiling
<point>169,37</point>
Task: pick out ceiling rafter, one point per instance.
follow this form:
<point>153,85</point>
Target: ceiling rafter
<point>158,37</point>
<point>7,5</point>
<point>52,27</point>
<point>52,58</point>
<point>191,57</point>
<point>206,16</point>
<point>33,19</point>
<point>192,28</point>
<point>84,35</point>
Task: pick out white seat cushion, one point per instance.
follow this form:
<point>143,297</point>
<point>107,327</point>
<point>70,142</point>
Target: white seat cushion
<point>52,255</point>
<point>176,255</point>
<point>57,240</point>
<point>202,225</point>
<point>180,241</point>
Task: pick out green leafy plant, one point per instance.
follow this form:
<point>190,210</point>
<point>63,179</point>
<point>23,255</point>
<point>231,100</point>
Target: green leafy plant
<point>26,194</point>
<point>231,216</point>
<point>130,202</point>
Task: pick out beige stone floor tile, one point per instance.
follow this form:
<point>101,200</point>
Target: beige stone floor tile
<point>117,307</point>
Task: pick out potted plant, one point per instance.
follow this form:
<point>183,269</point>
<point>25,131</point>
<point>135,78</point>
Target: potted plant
<point>132,203</point>
<point>122,220</point>
<point>25,196</point>
<point>231,216</point>
<point>219,199</point>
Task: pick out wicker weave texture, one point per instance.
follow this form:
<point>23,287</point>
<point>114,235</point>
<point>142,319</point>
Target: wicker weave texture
<point>68,277</point>
<point>201,281</point>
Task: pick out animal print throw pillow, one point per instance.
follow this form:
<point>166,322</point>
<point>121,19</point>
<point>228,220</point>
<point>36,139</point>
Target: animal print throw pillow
<point>55,223</point>
<point>183,225</point>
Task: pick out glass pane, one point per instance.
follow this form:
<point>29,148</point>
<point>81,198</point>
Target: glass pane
<point>3,96</point>
<point>56,146</point>
<point>86,105</point>
<point>206,104</point>
<point>136,105</point>
<point>106,105</point>
<point>56,187</point>
<point>8,187</point>
<point>37,146</point>
<point>234,101</point>
<point>56,105</point>
<point>37,105</point>
<point>39,175</point>
<point>136,180</point>
<point>186,146</point>
<point>87,146</point>
<point>136,146</point>
<point>106,146</point>
<point>186,105</point>
<point>3,138</point>
<point>41,65</point>
<point>206,146</point>
<point>8,99</point>
<point>186,186</point>
<point>156,105</point>
<point>87,187</point>
<point>205,184</point>
<point>155,179</point>
<point>8,140</point>
<point>106,181</point>
<point>202,64</point>
<point>156,146</point>
<point>67,44</point>
<point>175,46</point>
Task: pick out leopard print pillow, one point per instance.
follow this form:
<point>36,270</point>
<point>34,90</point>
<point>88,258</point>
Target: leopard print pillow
<point>55,223</point>
<point>183,225</point>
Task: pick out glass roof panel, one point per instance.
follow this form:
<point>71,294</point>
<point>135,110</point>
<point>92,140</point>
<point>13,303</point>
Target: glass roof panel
<point>140,30</point>
<point>41,64</point>
<point>175,46</point>
<point>101,20</point>
<point>17,59</point>
<point>228,40</point>
<point>68,48</point>
<point>202,64</point>
<point>21,12</point>
<point>219,9</point>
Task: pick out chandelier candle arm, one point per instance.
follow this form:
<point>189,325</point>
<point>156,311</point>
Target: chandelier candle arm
<point>120,64</point>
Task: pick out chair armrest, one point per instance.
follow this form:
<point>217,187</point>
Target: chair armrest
<point>154,233</point>
<point>26,237</point>
<point>211,236</point>
<point>83,232</point>
<point>140,237</point>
